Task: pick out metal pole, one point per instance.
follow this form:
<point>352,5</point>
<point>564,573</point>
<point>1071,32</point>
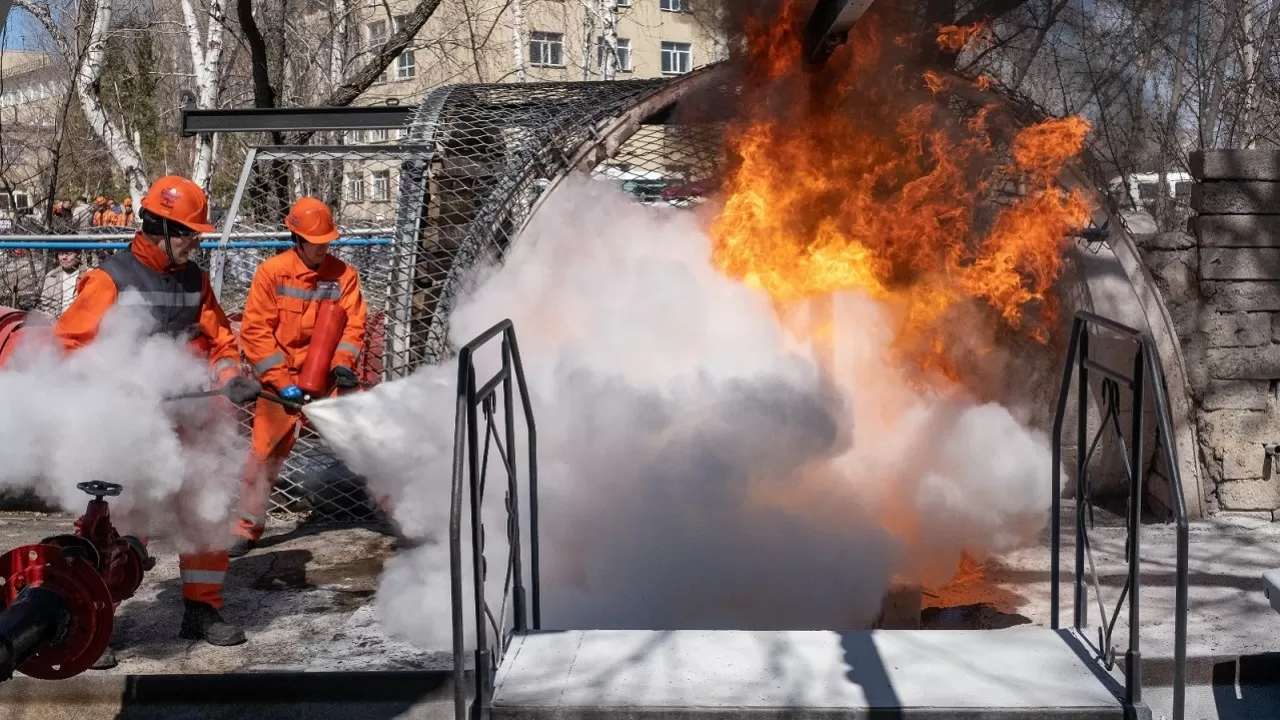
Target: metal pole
<point>217,264</point>
<point>1082,441</point>
<point>1064,391</point>
<point>1133,658</point>
<point>513,487</point>
<point>455,538</point>
<point>477,541</point>
<point>535,568</point>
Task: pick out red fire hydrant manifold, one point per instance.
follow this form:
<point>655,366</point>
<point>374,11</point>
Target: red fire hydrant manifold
<point>58,597</point>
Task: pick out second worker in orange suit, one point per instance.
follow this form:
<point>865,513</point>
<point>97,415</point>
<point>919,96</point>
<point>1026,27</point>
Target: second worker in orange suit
<point>275,334</point>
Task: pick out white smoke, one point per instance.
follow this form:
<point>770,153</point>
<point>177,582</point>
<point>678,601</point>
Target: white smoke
<point>697,468</point>
<point>98,414</point>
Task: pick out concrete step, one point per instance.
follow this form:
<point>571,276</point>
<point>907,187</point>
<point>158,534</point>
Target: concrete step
<point>954,674</point>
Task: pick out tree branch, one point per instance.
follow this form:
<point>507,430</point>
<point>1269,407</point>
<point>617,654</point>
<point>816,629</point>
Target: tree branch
<point>361,79</point>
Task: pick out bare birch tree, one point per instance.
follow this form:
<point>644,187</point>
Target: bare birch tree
<point>206,63</point>
<point>126,155</point>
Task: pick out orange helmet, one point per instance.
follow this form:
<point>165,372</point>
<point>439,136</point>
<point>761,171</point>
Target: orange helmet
<point>311,219</point>
<point>179,200</point>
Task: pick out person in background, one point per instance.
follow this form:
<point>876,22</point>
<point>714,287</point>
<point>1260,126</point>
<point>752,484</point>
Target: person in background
<point>101,212</point>
<point>60,283</point>
<point>82,213</point>
<point>125,216</point>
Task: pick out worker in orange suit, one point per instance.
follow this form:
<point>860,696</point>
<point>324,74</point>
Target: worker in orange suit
<point>177,294</point>
<point>275,334</point>
<point>125,216</point>
<point>102,214</point>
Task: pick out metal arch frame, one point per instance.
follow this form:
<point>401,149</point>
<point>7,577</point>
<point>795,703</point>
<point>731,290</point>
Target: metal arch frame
<point>414,170</point>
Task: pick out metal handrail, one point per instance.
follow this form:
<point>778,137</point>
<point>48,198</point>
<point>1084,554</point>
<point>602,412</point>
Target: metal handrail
<point>468,462</point>
<point>1146,371</point>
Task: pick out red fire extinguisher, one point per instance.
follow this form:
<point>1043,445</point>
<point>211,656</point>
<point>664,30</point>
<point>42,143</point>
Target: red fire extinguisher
<point>331,320</point>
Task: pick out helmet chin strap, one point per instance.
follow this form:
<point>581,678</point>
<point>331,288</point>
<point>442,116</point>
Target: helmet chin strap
<point>168,242</point>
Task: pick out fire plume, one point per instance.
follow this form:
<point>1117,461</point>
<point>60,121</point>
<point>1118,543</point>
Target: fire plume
<point>857,177</point>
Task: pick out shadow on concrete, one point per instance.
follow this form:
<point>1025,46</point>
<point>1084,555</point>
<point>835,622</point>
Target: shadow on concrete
<point>1257,678</point>
<point>866,669</point>
<point>304,696</point>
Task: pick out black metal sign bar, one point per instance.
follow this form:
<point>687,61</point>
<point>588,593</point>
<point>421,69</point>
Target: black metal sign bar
<point>829,25</point>
<point>372,117</point>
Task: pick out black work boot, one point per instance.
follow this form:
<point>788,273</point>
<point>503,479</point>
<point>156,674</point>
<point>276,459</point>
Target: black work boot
<point>106,661</point>
<point>241,547</point>
<point>203,620</point>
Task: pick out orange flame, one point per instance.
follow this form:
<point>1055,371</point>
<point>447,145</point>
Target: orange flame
<point>850,179</point>
<point>953,38</point>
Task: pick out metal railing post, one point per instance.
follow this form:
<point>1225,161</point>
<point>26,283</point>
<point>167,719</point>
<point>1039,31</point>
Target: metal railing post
<point>513,502</point>
<point>455,535</point>
<point>1133,657</point>
<point>1080,606</point>
<point>1055,572</point>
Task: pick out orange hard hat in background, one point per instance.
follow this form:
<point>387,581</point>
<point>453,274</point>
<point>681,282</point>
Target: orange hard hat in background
<point>311,219</point>
<point>180,201</point>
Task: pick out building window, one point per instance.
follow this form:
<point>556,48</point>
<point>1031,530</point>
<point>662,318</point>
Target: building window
<point>677,57</point>
<point>1148,191</point>
<point>406,67</point>
<point>622,3</point>
<point>675,5</point>
<point>623,63</point>
<point>21,201</point>
<point>355,186</point>
<point>377,35</point>
<point>546,49</point>
<point>382,185</point>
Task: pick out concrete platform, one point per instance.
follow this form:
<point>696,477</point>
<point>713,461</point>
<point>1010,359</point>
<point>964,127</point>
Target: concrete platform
<point>638,675</point>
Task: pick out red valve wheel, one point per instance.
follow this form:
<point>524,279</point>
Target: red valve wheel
<point>88,602</point>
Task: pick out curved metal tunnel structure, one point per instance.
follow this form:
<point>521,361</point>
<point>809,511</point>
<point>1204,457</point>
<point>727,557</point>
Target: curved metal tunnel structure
<point>490,156</point>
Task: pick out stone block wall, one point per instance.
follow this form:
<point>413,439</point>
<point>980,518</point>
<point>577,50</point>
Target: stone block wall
<point>1221,283</point>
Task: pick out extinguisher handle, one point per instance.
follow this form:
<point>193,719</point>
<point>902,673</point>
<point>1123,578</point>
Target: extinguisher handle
<point>286,404</point>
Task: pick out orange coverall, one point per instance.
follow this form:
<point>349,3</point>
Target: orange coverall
<point>202,573</point>
<point>275,332</point>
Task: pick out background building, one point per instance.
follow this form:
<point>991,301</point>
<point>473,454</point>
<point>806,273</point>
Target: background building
<point>30,94</point>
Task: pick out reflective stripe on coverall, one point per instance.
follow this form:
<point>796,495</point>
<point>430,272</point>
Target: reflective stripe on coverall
<point>164,290</point>
<point>275,332</point>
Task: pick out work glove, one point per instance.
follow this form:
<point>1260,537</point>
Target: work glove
<point>293,393</point>
<point>240,390</point>
<point>345,378</point>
